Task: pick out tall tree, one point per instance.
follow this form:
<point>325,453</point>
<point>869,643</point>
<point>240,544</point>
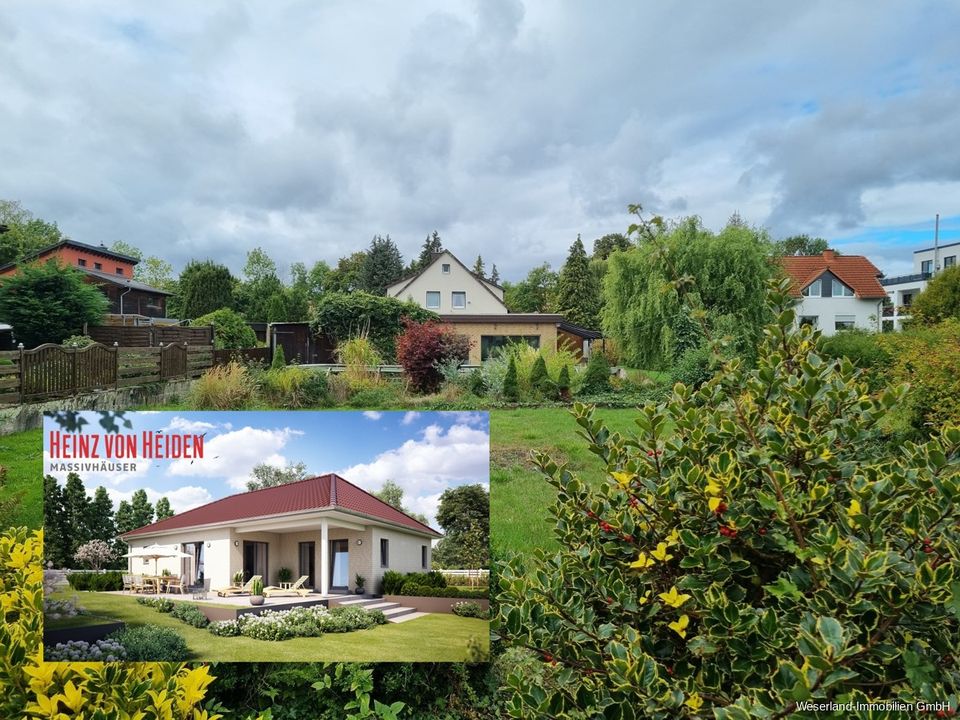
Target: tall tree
<point>76,508</point>
<point>25,234</point>
<point>345,277</point>
<point>392,494</point>
<point>464,515</point>
<point>262,296</point>
<point>204,286</point>
<point>495,275</point>
<point>535,293</point>
<point>578,292</point>
<point>725,274</point>
<point>124,518</point>
<point>431,247</point>
<point>152,270</point>
<point>266,476</point>
<point>141,509</point>
<point>49,303</point>
<point>382,266</point>
<point>940,299</point>
<point>259,265</point>
<point>100,516</point>
<point>800,245</point>
<point>610,243</point>
<point>56,533</point>
<point>478,268</point>
<point>163,509</point>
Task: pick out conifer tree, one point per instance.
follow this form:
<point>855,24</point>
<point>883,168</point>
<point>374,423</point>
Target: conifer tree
<point>141,509</point>
<point>478,268</point>
<point>382,266</point>
<point>578,292</point>
<point>100,516</point>
<point>495,275</point>
<point>163,509</point>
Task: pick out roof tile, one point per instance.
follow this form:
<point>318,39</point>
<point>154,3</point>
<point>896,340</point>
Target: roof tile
<point>861,275</point>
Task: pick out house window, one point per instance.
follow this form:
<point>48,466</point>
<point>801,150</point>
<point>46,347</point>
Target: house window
<point>445,268</point>
<point>810,320</point>
<point>813,289</point>
<point>433,299</point>
<point>98,266</point>
<point>844,322</point>
<point>423,556</point>
<point>490,344</point>
<point>949,261</point>
<point>119,271</point>
<point>841,290</point>
<point>458,299</point>
<point>384,552</point>
<point>81,262</point>
<point>926,266</point>
<point>907,299</point>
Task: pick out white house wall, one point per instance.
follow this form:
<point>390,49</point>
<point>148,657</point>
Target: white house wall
<point>482,299</point>
<point>403,555</point>
<point>826,310</point>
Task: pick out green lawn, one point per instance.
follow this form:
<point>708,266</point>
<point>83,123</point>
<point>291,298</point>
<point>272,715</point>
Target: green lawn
<point>22,458</point>
<point>519,495</point>
<point>434,638</point>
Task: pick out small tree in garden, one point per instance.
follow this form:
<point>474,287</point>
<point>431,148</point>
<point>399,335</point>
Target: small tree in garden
<point>756,546</point>
<point>596,379</point>
<point>563,382</point>
<point>511,390</point>
<point>540,381</point>
<point>423,347</point>
<point>95,554</point>
<point>230,329</point>
<point>279,361</point>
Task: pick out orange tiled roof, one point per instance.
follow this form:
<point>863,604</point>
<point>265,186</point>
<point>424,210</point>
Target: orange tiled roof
<point>855,271</point>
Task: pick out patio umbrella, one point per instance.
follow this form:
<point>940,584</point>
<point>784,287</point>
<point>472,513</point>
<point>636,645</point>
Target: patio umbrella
<point>155,552</point>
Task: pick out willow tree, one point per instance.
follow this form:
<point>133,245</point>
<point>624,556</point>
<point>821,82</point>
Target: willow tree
<point>721,274</point>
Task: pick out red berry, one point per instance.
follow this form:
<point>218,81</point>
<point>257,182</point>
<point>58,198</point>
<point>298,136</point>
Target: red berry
<point>926,541</point>
<point>927,549</point>
<point>762,531</point>
<point>649,453</point>
<point>721,508</point>
<point>633,502</point>
<point>628,538</point>
<point>669,670</point>
<point>609,600</point>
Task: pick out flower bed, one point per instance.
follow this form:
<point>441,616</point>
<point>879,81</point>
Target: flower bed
<point>299,622</point>
<point>79,650</point>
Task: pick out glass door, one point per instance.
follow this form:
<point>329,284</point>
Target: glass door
<point>308,556</point>
<point>340,568</point>
<point>255,560</point>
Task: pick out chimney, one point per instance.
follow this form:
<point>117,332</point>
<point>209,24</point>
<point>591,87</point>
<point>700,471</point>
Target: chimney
<point>829,254</point>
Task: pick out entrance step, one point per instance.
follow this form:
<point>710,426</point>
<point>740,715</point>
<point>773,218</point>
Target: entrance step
<point>362,602</point>
<point>407,616</point>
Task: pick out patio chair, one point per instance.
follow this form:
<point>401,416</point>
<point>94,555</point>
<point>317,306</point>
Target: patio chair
<point>295,589</point>
<point>245,590</point>
<point>127,582</point>
<point>138,584</point>
<point>179,586</point>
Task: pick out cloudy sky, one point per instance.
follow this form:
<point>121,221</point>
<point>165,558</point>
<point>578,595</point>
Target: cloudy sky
<point>206,129</point>
<point>424,453</point>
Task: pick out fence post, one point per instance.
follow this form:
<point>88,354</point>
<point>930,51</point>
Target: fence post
<point>116,365</point>
<point>20,348</point>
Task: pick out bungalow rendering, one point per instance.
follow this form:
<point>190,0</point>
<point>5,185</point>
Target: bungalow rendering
<point>323,527</point>
<point>836,292</point>
<point>474,306</point>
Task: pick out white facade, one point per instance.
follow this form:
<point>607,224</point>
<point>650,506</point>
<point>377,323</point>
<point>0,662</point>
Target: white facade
<point>903,289</point>
<point>830,314</point>
<point>447,287</point>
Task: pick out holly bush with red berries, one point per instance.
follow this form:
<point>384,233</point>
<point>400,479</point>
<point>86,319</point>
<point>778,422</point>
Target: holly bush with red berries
<point>758,543</point>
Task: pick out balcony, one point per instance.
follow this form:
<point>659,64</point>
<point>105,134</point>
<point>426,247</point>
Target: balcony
<point>916,277</point>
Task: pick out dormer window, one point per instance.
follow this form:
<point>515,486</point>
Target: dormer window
<point>445,268</point>
<point>813,289</point>
<point>841,290</point>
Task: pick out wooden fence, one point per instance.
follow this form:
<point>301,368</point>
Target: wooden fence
<point>54,371</point>
<point>151,335</point>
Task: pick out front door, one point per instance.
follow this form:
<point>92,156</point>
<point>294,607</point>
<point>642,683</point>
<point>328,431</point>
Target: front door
<point>308,556</point>
<point>340,567</point>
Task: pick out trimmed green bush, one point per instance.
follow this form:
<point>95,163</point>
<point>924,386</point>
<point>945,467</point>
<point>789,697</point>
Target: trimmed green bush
<point>511,391</point>
<point>563,382</point>
<point>540,381</point>
<point>190,614</point>
<point>862,348</point>
<point>278,362</point>
<point>596,379</point>
<point>159,604</point>
<point>469,609</point>
<point>149,643</point>
<point>413,589</point>
<point>693,368</point>
<point>391,583</point>
<point>97,582</point>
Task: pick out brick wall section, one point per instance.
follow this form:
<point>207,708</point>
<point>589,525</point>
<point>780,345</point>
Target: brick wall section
<point>546,330</point>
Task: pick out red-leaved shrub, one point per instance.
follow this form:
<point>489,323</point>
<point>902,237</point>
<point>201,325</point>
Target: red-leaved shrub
<point>423,347</point>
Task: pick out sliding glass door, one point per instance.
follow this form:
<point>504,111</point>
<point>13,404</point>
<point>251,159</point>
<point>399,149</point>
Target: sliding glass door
<point>255,560</point>
<point>308,555</point>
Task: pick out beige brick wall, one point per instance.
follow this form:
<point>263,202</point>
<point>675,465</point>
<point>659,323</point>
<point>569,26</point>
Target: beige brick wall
<point>546,330</point>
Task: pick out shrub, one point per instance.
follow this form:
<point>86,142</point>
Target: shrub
<point>339,389</point>
<point>226,387</point>
<point>105,582</point>
<point>78,341</point>
<point>95,553</point>
<point>694,367</point>
<point>540,383</point>
<point>476,383</point>
<point>79,581</point>
<point>940,300</point>
<point>224,628</point>
<point>563,382</point>
<point>360,358</point>
<point>423,347</point>
<point>152,644</point>
<point>596,379</point>
<point>278,362</point>
<point>864,349</point>
<point>387,395</point>
<point>230,329</point>
<point>82,651</point>
<point>306,622</point>
<point>159,604</point>
<point>753,546</point>
<point>434,578</point>
<point>294,387</point>
<point>469,609</point>
<point>284,574</point>
<point>415,589</point>
<point>190,614</point>
<point>391,583</point>
<point>511,391</point>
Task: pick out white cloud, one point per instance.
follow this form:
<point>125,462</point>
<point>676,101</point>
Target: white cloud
<point>410,416</point>
<point>234,454</point>
<point>427,466</point>
<point>372,415</point>
<point>184,425</point>
<point>181,499</point>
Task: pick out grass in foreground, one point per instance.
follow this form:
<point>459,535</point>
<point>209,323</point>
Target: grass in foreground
<point>434,638</point>
<point>22,459</point>
<point>519,496</point>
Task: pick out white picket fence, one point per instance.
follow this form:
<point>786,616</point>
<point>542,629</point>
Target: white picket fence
<point>466,577</point>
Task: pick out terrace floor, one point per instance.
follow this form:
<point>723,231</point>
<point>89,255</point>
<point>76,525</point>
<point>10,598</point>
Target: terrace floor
<point>238,601</point>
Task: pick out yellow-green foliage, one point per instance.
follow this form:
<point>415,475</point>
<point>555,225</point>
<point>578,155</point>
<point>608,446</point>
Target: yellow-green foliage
<point>928,358</point>
<point>83,691</point>
<point>225,387</point>
<point>359,356</point>
<point>282,386</point>
<point>524,358</point>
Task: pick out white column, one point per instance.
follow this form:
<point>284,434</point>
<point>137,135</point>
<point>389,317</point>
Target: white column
<point>324,559</point>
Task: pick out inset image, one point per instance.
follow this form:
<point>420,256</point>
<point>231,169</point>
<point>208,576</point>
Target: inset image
<point>266,536</point>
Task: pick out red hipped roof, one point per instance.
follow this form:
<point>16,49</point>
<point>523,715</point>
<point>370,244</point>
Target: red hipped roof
<point>330,492</point>
<point>855,271</point>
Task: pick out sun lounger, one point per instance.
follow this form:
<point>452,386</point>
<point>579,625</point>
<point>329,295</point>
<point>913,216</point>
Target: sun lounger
<point>234,590</point>
<point>295,589</point>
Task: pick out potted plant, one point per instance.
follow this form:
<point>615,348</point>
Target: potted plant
<point>238,578</point>
<point>256,590</point>
<point>284,575</point>
<point>361,581</point>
